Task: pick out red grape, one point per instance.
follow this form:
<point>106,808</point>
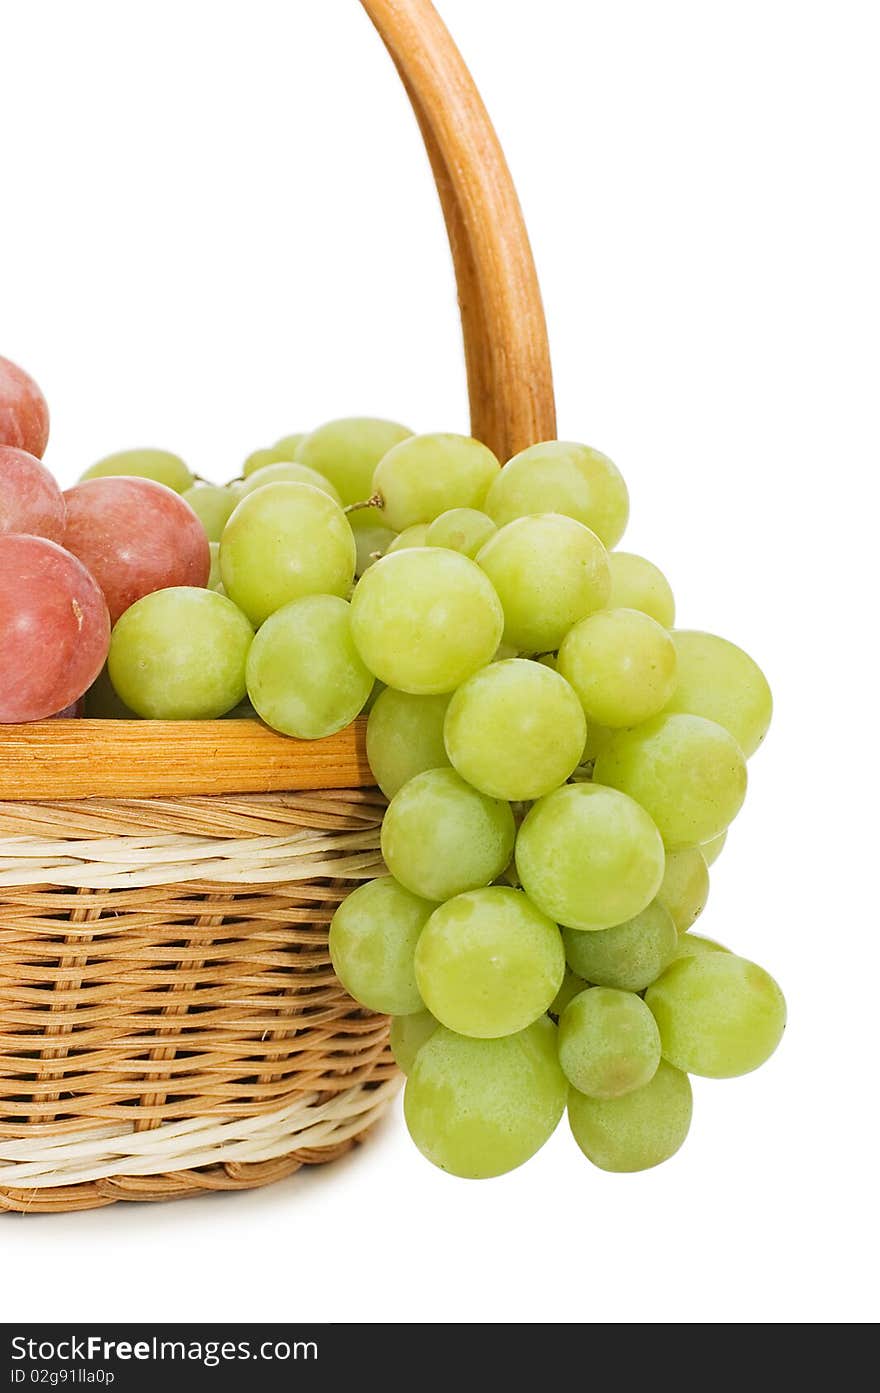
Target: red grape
<point>30,499</point>
<point>135,536</point>
<point>24,415</point>
<point>54,628</point>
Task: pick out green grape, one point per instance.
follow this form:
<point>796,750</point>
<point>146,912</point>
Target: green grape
<point>489,963</point>
<point>639,1130</point>
<point>283,542</point>
<point>515,730</point>
<point>408,1034</point>
<point>718,1015</point>
<point>621,663</point>
<point>346,452</point>
<point>630,956</point>
<point>637,584</point>
<point>372,536</point>
<point>304,674</point>
<point>425,620</point>
<point>712,850</point>
<point>721,682</point>
<point>427,475</point>
<point>479,1108</point>
<point>549,572</point>
<point>609,1044</point>
<point>689,773</point>
<point>410,537</point>
<point>373,939</point>
<point>103,703</point>
<point>690,945</point>
<point>179,655</point>
<point>214,579</point>
<point>261,459</point>
<point>572,986</point>
<point>287,472</point>
<point>212,505</point>
<point>589,857</point>
<point>461,529</point>
<point>560,477</point>
<point>290,444</point>
<point>685,887</point>
<point>159,465</point>
<point>405,738</point>
<point>440,837</point>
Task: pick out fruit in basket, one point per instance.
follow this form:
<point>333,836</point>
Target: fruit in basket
<point>180,655</point>
<point>639,1130</point>
<point>425,619</point>
<point>461,529</point>
<point>559,477</point>
<point>719,1015</point>
<point>135,536</point>
<point>687,772</point>
<point>30,499</point>
<point>519,706</point>
<point>488,963</point>
<point>159,465</point>
<point>286,472</point>
<point>622,665</point>
<point>441,837</point>
<point>589,856</point>
<point>637,583</point>
<point>213,505</point>
<point>716,679</point>
<point>373,942</point>
<point>282,542</point>
<point>478,1108</point>
<point>427,475</point>
<point>609,1043</point>
<point>405,737</point>
<point>24,415</point>
<point>549,571</point>
<point>347,452</point>
<point>304,675</point>
<point>630,955</point>
<point>55,628</point>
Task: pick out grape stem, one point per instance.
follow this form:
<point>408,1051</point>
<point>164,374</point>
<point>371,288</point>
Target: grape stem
<point>377,501</point>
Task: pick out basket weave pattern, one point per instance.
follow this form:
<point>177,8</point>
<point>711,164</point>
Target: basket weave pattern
<point>166,995</point>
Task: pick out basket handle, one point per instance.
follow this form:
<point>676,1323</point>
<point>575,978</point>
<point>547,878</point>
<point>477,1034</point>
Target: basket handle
<point>510,380</point>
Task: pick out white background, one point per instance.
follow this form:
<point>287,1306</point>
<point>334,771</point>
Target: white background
<point>217,226</point>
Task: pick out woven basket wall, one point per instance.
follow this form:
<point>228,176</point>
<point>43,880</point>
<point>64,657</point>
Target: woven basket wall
<point>169,1019</point>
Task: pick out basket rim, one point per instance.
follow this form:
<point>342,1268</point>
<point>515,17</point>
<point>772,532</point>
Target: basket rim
<point>92,758</point>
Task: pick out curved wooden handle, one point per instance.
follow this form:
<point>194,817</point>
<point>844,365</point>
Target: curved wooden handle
<point>510,381</point>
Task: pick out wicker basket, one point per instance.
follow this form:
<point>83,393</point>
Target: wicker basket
<point>169,1019</point>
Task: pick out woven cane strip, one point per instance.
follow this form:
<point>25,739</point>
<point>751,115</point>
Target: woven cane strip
<point>165,983</point>
<point>309,1122</point>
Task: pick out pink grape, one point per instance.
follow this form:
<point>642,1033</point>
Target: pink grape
<point>24,415</point>
<point>54,628</point>
<point>135,536</point>
<point>30,499</point>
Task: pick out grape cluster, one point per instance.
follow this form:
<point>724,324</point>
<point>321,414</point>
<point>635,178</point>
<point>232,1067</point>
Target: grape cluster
<point>561,763</point>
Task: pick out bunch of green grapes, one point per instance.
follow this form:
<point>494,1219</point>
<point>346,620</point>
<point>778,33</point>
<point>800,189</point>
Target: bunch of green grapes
<point>561,764</point>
